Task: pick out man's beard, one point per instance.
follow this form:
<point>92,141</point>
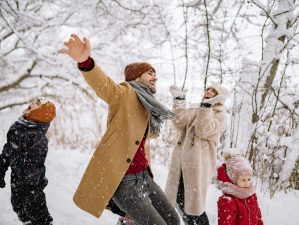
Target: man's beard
<point>153,89</point>
<point>147,84</point>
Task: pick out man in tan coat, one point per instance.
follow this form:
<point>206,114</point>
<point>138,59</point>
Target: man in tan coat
<point>119,168</point>
<point>193,160</point>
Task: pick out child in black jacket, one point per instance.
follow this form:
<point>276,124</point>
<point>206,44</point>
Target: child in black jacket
<point>25,152</point>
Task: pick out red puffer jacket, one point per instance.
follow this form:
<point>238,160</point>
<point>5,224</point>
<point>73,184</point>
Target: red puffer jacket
<point>236,211</point>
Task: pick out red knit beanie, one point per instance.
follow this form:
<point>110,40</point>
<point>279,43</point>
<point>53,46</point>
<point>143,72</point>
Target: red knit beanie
<point>135,70</point>
<point>44,113</point>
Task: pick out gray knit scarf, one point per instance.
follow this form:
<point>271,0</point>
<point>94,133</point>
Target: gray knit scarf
<point>158,113</point>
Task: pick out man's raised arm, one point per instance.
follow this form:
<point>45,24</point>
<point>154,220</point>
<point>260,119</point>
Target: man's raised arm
<point>104,86</point>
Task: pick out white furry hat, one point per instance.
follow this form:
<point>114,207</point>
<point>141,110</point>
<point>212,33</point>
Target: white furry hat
<point>223,94</point>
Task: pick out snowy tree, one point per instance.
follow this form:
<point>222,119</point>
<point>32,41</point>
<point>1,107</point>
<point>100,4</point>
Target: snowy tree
<point>270,97</point>
<point>31,34</point>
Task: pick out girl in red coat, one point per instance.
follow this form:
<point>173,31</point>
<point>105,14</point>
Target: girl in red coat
<point>238,205</point>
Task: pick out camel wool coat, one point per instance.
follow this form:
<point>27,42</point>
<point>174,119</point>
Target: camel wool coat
<point>195,153</point>
<point>127,123</point>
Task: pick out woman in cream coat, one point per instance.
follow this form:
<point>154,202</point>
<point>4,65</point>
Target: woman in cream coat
<point>193,161</point>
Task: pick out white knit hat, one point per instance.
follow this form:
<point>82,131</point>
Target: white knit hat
<point>223,94</point>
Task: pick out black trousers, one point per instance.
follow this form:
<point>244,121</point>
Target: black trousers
<point>30,205</point>
<point>144,201</point>
<point>189,219</point>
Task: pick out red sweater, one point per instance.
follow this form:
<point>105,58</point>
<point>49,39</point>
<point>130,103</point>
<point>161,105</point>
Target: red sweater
<point>236,211</point>
<point>140,162</point>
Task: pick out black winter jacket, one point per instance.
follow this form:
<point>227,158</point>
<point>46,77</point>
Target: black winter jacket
<point>25,152</point>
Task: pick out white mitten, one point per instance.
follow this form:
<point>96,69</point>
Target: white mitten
<point>177,92</point>
<point>213,101</point>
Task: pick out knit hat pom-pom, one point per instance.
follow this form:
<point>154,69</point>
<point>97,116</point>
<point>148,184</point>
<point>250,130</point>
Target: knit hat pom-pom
<point>229,153</point>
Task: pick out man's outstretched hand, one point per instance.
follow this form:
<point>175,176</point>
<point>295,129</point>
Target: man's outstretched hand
<point>78,50</point>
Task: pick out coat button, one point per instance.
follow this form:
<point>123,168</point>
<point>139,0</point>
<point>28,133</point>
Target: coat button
<point>179,143</point>
<point>137,142</point>
<point>128,160</point>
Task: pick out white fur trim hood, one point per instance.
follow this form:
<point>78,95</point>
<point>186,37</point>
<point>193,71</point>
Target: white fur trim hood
<point>223,94</point>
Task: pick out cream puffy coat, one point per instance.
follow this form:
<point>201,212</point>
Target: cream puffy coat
<point>195,153</point>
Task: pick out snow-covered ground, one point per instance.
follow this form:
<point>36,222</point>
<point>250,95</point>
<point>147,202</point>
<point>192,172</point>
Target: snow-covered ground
<point>64,171</point>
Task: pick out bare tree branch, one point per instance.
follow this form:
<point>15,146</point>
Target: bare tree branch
<point>186,43</point>
<point>19,80</point>
<point>209,45</point>
<point>266,12</point>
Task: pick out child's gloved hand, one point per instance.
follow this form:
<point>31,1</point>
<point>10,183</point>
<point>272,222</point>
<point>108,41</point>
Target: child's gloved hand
<point>2,181</point>
<point>115,209</point>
